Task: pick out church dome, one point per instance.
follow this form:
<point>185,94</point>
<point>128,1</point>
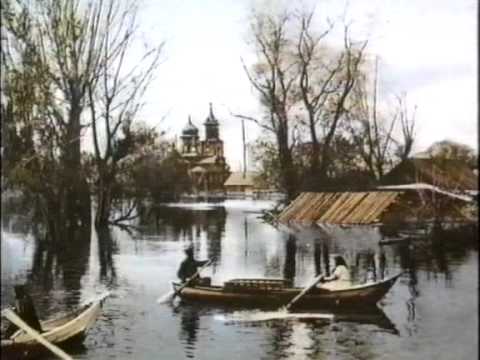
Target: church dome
<point>190,129</point>
<point>211,120</point>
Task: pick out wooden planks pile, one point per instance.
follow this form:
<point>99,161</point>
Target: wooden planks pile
<point>338,207</point>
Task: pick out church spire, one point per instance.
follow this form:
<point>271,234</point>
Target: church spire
<point>211,120</point>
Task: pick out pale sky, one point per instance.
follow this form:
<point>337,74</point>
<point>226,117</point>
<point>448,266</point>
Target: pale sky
<point>427,48</point>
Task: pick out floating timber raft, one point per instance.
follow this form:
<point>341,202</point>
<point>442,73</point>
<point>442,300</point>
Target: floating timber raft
<point>368,207</point>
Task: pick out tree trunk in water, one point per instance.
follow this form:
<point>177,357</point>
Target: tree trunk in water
<point>104,196</point>
<point>74,199</point>
<point>287,170</point>
<point>102,214</point>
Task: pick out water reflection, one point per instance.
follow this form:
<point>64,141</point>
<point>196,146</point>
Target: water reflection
<point>60,269</point>
<point>281,339</point>
<point>313,339</point>
<point>317,256</point>
<point>214,226</point>
<point>189,325</point>
<point>107,247</point>
<point>139,269</point>
<point>289,269</point>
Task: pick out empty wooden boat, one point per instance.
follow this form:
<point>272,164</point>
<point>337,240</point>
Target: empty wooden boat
<point>67,330</point>
<point>276,293</point>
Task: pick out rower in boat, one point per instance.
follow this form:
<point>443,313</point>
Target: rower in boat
<point>189,267</point>
<point>340,279</point>
<point>25,309</point>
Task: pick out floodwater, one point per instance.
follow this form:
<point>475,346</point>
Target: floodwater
<point>430,313</point>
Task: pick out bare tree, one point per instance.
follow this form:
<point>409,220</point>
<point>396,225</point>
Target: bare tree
<point>114,101</point>
<point>374,132</point>
<point>301,83</point>
<point>75,52</point>
<point>407,122</point>
<point>273,77</point>
<point>326,79</point>
<point>66,41</point>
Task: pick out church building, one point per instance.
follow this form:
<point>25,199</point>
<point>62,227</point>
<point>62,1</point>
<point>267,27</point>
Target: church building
<point>207,166</point>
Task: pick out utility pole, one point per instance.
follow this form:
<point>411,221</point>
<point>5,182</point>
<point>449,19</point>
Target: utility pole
<point>244,150</point>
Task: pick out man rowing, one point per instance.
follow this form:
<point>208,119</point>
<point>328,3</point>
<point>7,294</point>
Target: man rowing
<point>189,268</point>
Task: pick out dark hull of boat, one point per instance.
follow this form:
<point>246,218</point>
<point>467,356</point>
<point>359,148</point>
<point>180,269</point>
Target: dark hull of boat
<point>364,295</point>
<point>74,345</point>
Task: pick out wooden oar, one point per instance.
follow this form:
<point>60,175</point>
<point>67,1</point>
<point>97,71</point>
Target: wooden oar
<point>303,292</point>
<point>172,294</point>
<point>15,319</point>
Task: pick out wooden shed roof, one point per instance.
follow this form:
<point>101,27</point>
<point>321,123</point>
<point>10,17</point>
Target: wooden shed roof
<point>338,207</point>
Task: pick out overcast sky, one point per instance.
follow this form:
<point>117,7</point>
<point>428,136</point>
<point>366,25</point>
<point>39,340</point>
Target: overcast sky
<point>427,48</point>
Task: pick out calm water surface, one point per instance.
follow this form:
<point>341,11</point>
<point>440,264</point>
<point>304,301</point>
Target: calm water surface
<point>431,313</point>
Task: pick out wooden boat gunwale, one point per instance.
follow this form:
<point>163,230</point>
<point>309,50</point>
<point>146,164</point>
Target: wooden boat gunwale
<point>70,326</point>
<point>363,294</point>
<point>353,287</point>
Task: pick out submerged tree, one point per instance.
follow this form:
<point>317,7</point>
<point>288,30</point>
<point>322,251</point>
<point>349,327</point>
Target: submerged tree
<point>45,71</point>
<point>115,100</point>
<point>376,133</point>
<point>273,77</point>
<point>304,88</point>
<point>326,79</point>
<point>60,57</point>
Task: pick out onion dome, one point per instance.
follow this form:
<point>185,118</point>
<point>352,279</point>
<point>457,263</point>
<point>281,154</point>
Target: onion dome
<point>190,129</point>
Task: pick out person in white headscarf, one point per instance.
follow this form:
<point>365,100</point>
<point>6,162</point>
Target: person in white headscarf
<point>340,279</point>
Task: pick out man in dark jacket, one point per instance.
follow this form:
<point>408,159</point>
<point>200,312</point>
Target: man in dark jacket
<point>25,310</point>
<point>189,265</point>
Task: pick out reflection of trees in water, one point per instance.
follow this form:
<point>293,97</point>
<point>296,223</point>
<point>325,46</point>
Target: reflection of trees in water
<point>176,223</point>
<point>67,263</point>
<point>317,256</point>
<point>446,246</point>
<point>321,254</point>
<point>375,263</point>
<point>326,258</point>
<point>381,262</point>
<point>281,340</point>
<point>107,247</point>
<point>439,254</point>
<point>42,267</point>
<point>179,223</point>
<point>408,263</point>
<point>435,252</point>
<point>290,254</point>
<point>319,334</point>
<point>186,224</point>
<point>168,221</point>
<point>245,236</point>
<point>215,228</point>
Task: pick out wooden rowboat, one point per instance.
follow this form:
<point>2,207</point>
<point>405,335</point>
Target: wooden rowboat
<point>67,330</point>
<point>276,294</point>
